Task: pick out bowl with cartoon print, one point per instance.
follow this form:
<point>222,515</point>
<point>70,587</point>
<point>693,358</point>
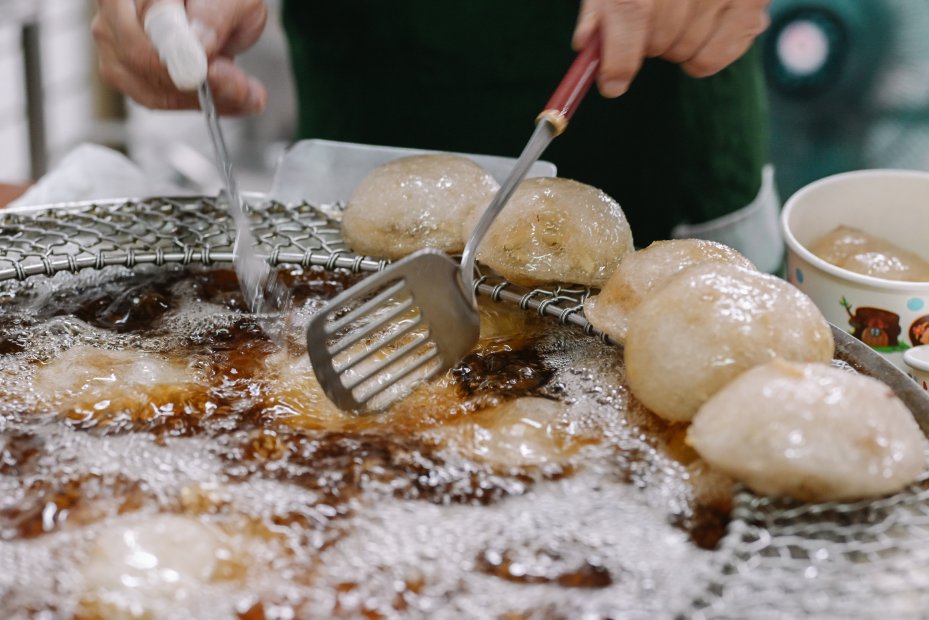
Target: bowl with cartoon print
<point>891,316</point>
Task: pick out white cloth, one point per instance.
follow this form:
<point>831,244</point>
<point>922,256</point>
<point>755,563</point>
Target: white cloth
<point>753,230</point>
<point>93,172</point>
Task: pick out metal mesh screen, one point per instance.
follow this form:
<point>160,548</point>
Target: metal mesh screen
<point>157,230</point>
<point>783,559</point>
<point>189,230</point>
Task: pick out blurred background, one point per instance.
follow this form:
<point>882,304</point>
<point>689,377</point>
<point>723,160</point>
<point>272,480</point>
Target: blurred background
<point>52,100</point>
<point>848,83</point>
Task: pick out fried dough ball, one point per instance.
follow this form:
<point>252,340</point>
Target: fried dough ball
<point>811,432</point>
<point>296,397</point>
<point>101,385</point>
<point>708,324</point>
<point>145,567</point>
<point>643,271</point>
<point>861,252</point>
<point>415,202</point>
<point>555,230</point>
<point>525,432</point>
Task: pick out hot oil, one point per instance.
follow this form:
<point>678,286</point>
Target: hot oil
<point>314,512</point>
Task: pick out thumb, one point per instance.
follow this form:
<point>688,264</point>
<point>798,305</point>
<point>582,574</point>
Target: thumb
<point>170,32</point>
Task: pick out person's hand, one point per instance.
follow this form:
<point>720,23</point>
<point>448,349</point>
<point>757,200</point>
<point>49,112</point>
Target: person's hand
<point>130,63</point>
<point>703,36</point>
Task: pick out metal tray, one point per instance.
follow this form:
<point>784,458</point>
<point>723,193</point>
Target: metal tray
<point>326,172</point>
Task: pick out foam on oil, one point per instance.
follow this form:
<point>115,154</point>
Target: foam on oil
<point>236,497</point>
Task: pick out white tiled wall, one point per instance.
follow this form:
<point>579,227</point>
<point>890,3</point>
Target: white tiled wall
<point>12,96</point>
<point>66,52</point>
<point>14,153</point>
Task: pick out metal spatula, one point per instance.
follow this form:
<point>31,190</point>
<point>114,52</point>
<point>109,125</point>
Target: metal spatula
<point>419,316</point>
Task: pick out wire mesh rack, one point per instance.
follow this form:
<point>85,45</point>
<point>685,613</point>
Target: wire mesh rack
<point>785,559</point>
<point>199,230</point>
<point>778,559</point>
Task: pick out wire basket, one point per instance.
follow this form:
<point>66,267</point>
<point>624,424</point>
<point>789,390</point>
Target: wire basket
<point>187,230</point>
<point>778,559</point>
<point>784,559</point>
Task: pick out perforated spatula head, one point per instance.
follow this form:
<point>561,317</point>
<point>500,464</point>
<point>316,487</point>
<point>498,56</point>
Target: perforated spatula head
<point>395,328</point>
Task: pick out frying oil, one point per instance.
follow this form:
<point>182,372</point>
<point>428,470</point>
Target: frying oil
<point>180,464</point>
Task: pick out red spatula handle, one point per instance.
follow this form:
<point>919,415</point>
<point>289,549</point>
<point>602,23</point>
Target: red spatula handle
<point>574,85</point>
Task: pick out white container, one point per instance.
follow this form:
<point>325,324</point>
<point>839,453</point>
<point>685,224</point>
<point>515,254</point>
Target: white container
<point>890,316</point>
<point>324,172</point>
<point>917,362</point>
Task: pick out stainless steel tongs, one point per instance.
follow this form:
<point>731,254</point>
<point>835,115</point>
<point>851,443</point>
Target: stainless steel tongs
<point>168,28</point>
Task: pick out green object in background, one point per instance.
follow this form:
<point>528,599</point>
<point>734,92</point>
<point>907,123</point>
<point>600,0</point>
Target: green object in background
<point>472,76</point>
<point>848,87</point>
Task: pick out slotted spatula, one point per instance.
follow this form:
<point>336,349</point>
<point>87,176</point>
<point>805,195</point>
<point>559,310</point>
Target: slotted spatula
<point>419,316</point>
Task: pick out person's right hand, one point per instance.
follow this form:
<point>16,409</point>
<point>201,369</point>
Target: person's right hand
<point>703,36</point>
<point>130,63</point>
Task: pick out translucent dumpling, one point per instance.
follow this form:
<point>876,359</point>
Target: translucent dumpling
<point>643,271</point>
<point>810,431</point>
<point>708,324</point>
<point>861,252</point>
<point>148,567</point>
<point>96,385</point>
<point>556,230</point>
<point>528,431</point>
<point>415,202</point>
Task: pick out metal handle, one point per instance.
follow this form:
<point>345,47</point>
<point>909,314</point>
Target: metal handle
<point>574,85</point>
<point>170,32</point>
<point>551,122</point>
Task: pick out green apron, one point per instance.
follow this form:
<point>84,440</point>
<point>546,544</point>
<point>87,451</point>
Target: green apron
<point>472,75</point>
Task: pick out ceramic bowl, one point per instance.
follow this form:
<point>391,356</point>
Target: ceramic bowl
<point>890,316</point>
<point>917,364</point>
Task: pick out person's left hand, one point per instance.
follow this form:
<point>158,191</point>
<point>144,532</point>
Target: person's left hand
<point>129,62</point>
<point>703,36</point>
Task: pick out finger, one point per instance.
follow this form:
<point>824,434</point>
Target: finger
<point>235,92</point>
<point>669,18</point>
<point>586,24</point>
<point>143,6</point>
<point>739,27</point>
<point>227,27</point>
<point>140,90</point>
<point>701,21</point>
<point>123,44</point>
<point>624,29</point>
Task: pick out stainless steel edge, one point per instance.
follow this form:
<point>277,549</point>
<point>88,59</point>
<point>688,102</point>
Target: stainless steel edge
<point>867,361</point>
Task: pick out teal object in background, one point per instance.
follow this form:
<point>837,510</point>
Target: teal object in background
<point>849,87</point>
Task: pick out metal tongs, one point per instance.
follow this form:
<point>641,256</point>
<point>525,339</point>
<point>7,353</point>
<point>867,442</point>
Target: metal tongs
<point>170,32</point>
<point>419,316</point>
<point>251,270</point>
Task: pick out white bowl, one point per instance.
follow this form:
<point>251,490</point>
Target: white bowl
<point>888,315</point>
<point>917,362</point>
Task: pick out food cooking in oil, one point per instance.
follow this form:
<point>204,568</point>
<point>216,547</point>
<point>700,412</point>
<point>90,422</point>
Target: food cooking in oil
<point>180,416</point>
